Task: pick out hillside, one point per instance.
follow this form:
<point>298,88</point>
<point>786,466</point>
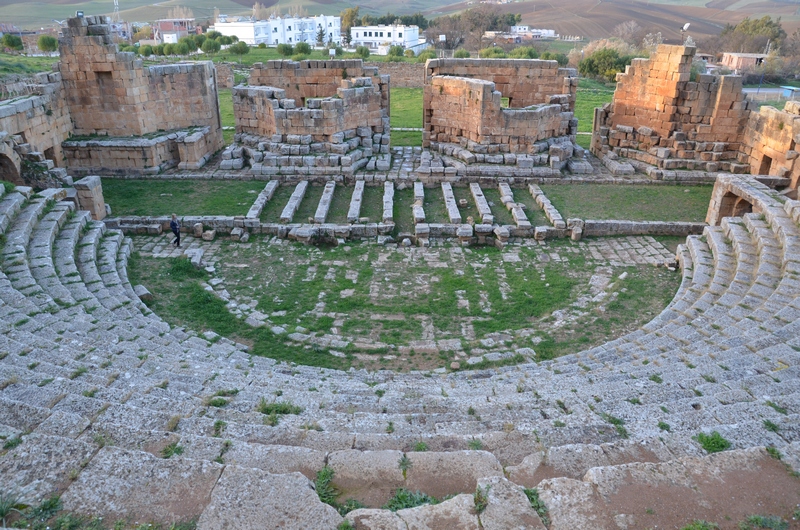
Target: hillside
<point>588,18</point>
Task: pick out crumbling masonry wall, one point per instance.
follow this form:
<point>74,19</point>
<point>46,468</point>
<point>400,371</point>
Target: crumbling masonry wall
<point>462,104</point>
<point>32,128</point>
<point>769,142</point>
<point>661,117</point>
<point>109,93</point>
<point>311,117</point>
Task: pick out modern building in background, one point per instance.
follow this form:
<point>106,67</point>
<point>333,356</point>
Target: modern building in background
<point>380,38</point>
<point>170,30</point>
<point>281,30</point>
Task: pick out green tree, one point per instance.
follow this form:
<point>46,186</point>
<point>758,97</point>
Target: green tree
<point>362,51</point>
<point>461,54</point>
<point>199,40</point>
<point>349,18</point>
<point>224,40</point>
<point>213,35</point>
<point>146,50</point>
<point>190,44</point>
<point>524,52</point>
<point>302,48</point>
<point>561,58</point>
<point>47,43</point>
<point>169,49</point>
<point>181,49</point>
<point>285,49</point>
<point>321,36</point>
<point>12,42</point>
<point>240,48</point>
<point>605,62</point>
<point>211,46</point>
<point>753,35</point>
<point>396,51</point>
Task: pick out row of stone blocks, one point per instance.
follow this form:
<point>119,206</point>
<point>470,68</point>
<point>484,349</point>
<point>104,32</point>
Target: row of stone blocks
<point>134,421</point>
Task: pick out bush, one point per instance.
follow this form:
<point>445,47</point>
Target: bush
<point>146,50</point>
<point>158,49</point>
<point>262,45</point>
<point>190,43</point>
<point>424,56</point>
<point>11,42</point>
<point>169,49</point>
<point>299,57</point>
<point>362,51</point>
<point>606,63</point>
<point>47,43</point>
<point>712,443</point>
<point>461,54</point>
<point>213,35</point>
<point>524,52</point>
<point>240,48</point>
<point>561,58</point>
<point>396,51</point>
<point>285,49</point>
<point>224,40</point>
<point>409,53</point>
<point>492,53</point>
<point>302,48</point>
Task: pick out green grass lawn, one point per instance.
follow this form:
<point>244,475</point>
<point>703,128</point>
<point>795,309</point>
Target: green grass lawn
<point>406,111</point>
<point>24,65</point>
<point>631,203</point>
<point>184,197</point>
<point>590,95</point>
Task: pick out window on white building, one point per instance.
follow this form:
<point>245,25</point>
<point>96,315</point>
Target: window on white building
<point>275,30</point>
<point>389,34</point>
<point>290,39</point>
<point>381,35</point>
<point>289,28</point>
<point>330,24</point>
<point>400,35</point>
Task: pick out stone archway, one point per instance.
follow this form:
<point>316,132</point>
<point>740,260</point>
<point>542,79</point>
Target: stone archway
<point>10,165</point>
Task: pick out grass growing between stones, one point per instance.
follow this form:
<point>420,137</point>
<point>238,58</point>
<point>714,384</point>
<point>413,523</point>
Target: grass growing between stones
<point>534,213</point>
<point>435,210</point>
<point>340,204</point>
<point>501,214</point>
<point>308,206</point>
<point>274,207</point>
<point>631,203</point>
<point>372,203</point>
<point>406,138</point>
<point>403,217</point>
<point>590,95</point>
<point>389,307</point>
<point>462,192</point>
<point>184,197</point>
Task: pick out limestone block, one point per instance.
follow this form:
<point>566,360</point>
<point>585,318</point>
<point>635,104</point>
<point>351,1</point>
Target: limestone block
<point>90,196</point>
<point>142,292</point>
<point>197,230</point>
<point>209,235</point>
<point>508,507</point>
<point>441,474</point>
<point>458,512</point>
<point>283,501</point>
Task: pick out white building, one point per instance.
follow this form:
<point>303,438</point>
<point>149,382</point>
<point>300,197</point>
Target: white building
<point>381,38</point>
<point>281,30</point>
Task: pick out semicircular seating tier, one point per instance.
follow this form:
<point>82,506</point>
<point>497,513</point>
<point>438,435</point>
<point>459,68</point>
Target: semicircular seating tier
<point>100,389</point>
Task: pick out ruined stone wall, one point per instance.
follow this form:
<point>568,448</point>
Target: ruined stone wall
<point>33,126</point>
<point>524,82</point>
<point>468,112</point>
<point>266,111</point>
<point>657,93</point>
<point>769,143</point>
<point>111,94</point>
<point>308,79</point>
<point>224,75</point>
<point>660,117</point>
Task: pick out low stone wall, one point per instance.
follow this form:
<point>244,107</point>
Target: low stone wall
<point>597,228</point>
<point>225,78</point>
<point>769,144</point>
<point>302,80</point>
<point>135,156</point>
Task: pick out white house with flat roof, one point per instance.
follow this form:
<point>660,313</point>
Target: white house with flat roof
<point>381,38</point>
<point>281,30</point>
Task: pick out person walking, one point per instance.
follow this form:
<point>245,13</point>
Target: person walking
<point>175,226</point>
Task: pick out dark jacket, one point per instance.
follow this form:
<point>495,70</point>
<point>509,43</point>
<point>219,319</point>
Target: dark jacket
<point>175,226</point>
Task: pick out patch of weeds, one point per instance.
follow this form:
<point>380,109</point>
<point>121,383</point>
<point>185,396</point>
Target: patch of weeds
<point>227,393</point>
<point>712,443</point>
<point>345,525</point>
<point>475,444</point>
<point>404,464</point>
<point>663,426</point>
<point>11,443</point>
<point>774,453</point>
<point>769,522</point>
<point>380,392</point>
<point>32,366</point>
<point>634,401</point>
<point>219,427</point>
<point>278,407</point>
<point>46,510</point>
<point>390,428</point>
<point>664,409</point>
<point>537,504</point>
<point>171,450</point>
<point>420,447</point>
<point>327,493</point>
<point>78,372</point>
<point>772,427</point>
<point>618,423</point>
<point>218,402</point>
<point>404,498</point>
<point>777,407</point>
<point>89,393</point>
<point>44,382</point>
<point>172,423</point>
<point>272,419</point>
<point>700,525</point>
<point>709,378</point>
<point>656,378</point>
<point>481,498</point>
<point>559,423</point>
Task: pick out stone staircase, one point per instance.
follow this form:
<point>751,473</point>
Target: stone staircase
<point>101,389</point>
